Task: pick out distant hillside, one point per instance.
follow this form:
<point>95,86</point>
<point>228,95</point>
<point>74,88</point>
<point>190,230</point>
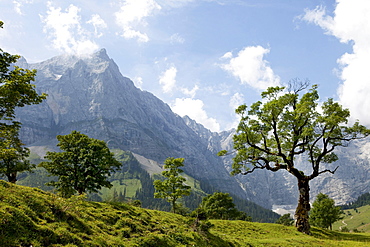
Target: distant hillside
<point>362,200</point>
<point>29,216</point>
<point>133,182</point>
<point>357,219</point>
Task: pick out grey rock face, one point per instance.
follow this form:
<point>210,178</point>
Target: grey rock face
<point>280,188</point>
<point>90,95</point>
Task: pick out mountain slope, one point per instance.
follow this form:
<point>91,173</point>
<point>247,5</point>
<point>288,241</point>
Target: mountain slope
<point>29,216</point>
<point>90,95</point>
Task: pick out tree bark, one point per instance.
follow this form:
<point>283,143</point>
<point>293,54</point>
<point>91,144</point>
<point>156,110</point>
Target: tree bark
<point>301,213</point>
<point>12,177</point>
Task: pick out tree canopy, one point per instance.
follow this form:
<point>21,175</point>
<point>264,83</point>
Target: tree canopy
<point>289,123</point>
<point>324,212</point>
<point>285,220</point>
<point>13,154</point>
<point>220,205</point>
<point>16,91</point>
<point>173,187</point>
<point>83,165</point>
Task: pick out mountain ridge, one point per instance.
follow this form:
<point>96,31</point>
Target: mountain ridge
<point>90,95</point>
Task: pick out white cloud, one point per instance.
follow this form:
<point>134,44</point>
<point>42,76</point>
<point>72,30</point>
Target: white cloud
<point>236,100</point>
<point>350,23</point>
<point>250,67</point>
<point>176,38</point>
<point>191,93</point>
<point>227,55</point>
<point>138,82</point>
<point>18,4</point>
<point>168,79</point>
<point>132,14</point>
<point>174,3</point>
<point>193,108</point>
<point>98,23</point>
<point>66,32</point>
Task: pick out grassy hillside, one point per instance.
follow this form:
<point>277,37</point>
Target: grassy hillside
<point>133,182</point>
<point>355,219</point>
<point>32,216</point>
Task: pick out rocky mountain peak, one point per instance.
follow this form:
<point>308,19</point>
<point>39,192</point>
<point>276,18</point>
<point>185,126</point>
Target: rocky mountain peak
<point>90,95</point>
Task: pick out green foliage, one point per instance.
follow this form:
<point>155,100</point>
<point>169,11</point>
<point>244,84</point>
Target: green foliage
<point>286,124</point>
<point>29,216</point>
<point>173,187</point>
<point>272,133</point>
<point>220,205</point>
<point>285,220</point>
<point>258,213</point>
<point>15,88</point>
<point>16,91</point>
<point>13,154</point>
<point>324,212</point>
<point>132,182</point>
<point>362,200</point>
<point>358,218</point>
<point>83,165</point>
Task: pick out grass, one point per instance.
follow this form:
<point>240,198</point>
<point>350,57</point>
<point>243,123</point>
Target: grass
<point>358,219</point>
<point>131,185</point>
<point>32,216</point>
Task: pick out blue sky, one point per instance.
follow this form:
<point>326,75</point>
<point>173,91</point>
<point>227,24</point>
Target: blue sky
<point>205,57</point>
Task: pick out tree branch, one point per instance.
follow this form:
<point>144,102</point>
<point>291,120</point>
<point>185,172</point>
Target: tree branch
<point>328,170</point>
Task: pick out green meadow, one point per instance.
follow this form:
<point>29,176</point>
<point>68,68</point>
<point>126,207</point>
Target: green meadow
<point>32,216</point>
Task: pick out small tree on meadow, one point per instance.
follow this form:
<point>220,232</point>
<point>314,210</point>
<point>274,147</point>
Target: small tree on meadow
<point>83,165</point>
<point>324,212</point>
<point>285,220</point>
<point>173,187</point>
<point>220,205</point>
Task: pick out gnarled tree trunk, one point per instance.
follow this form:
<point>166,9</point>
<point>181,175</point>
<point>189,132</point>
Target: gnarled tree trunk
<point>12,177</point>
<point>301,213</point>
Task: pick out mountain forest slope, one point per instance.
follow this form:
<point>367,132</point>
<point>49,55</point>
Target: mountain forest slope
<point>133,182</point>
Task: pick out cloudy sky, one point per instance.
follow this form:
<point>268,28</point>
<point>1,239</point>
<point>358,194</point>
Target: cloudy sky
<point>206,57</point>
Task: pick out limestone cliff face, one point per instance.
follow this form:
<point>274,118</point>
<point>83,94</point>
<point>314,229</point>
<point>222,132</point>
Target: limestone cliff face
<point>261,187</point>
<point>90,95</point>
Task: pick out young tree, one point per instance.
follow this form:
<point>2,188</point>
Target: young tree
<point>285,220</point>
<point>13,154</point>
<point>272,133</point>
<point>220,205</point>
<point>324,212</point>
<point>173,187</point>
<point>83,165</point>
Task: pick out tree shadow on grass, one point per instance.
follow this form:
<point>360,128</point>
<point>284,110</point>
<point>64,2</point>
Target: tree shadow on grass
<point>333,235</point>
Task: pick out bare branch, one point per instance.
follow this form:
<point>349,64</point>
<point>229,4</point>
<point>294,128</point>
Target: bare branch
<point>327,170</point>
<point>250,171</point>
<point>296,85</point>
